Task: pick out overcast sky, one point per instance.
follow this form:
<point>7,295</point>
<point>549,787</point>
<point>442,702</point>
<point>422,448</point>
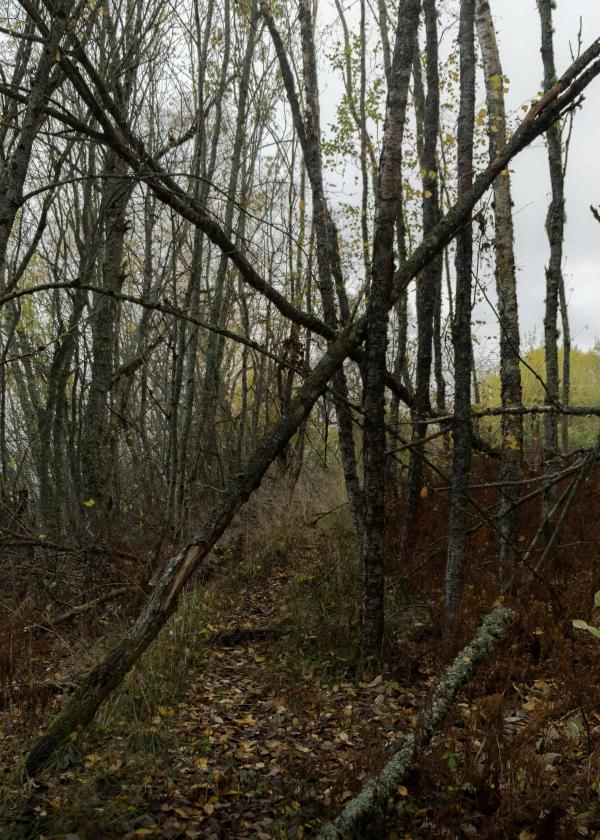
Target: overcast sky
<point>518,32</point>
<point>518,26</point>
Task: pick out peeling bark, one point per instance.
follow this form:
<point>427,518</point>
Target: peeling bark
<point>107,675</point>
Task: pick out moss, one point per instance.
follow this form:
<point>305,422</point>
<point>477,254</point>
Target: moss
<point>379,789</point>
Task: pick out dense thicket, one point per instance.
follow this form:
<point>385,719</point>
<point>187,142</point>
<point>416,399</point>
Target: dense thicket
<point>187,304</point>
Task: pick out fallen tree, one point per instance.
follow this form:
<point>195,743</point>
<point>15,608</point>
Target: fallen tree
<point>362,811</point>
<point>107,675</point>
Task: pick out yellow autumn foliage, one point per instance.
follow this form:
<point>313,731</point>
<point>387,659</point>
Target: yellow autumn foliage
<point>585,391</point>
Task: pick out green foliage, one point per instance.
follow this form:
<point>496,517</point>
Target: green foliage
<point>585,390</point>
<point>579,624</point>
<point>322,603</point>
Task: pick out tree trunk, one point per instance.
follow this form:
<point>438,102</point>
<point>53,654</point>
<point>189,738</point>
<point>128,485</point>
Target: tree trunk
<point>45,80</point>
<point>555,225</point>
<point>107,675</point>
<point>506,285</point>
<point>428,287</point>
<point>461,327</point>
<point>374,366</point>
<point>331,280</point>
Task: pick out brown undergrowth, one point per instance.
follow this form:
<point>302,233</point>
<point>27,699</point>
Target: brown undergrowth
<point>224,730</point>
<point>520,758</point>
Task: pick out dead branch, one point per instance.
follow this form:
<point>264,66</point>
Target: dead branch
<point>81,608</point>
<point>371,800</point>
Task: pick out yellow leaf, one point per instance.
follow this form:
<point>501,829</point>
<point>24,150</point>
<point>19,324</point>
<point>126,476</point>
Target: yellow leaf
<point>511,442</point>
<point>427,193</point>
<point>89,503</point>
<point>209,808</point>
<point>166,711</point>
<point>403,791</point>
<point>424,492</point>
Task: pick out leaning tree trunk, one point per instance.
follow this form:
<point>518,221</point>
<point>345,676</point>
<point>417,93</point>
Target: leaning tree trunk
<point>361,817</point>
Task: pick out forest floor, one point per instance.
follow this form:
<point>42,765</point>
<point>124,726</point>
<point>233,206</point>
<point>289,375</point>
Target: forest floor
<point>227,731</point>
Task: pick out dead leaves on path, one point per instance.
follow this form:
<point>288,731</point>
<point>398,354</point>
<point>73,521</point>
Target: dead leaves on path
<point>259,756</point>
<point>265,743</point>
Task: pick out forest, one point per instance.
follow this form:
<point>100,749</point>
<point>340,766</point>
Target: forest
<point>299,428</point>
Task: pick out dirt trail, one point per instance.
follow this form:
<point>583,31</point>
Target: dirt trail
<point>267,749</point>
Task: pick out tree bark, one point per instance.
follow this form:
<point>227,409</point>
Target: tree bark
<point>429,285</point>
<point>374,366</point>
<point>360,816</point>
<point>461,327</point>
<point>47,76</point>
<point>506,285</point>
<point>331,280</point>
<point>107,675</point>
<point>555,225</point>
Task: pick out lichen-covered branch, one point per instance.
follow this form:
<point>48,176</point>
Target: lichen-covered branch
<point>371,800</point>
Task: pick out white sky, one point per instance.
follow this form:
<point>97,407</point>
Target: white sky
<point>518,26</point>
<point>518,31</point>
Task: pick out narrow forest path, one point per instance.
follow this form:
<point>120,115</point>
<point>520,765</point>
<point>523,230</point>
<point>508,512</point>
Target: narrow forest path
<point>267,749</point>
<point>262,735</point>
